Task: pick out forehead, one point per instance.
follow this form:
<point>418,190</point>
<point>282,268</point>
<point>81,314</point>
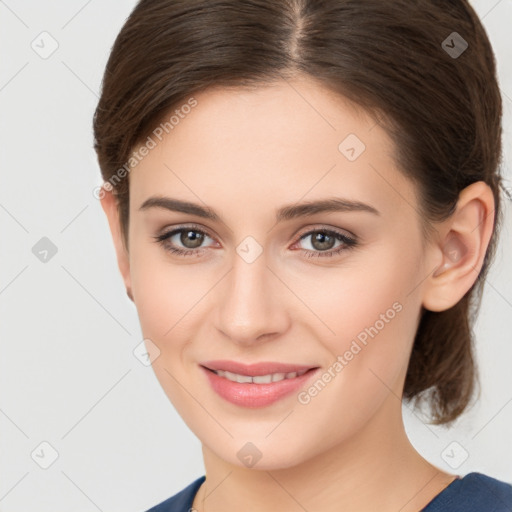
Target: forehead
<point>276,143</point>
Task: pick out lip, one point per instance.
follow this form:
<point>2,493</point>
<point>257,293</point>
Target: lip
<point>255,369</point>
<point>253,395</point>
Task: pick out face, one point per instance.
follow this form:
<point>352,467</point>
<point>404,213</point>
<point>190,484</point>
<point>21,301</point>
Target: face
<point>268,280</point>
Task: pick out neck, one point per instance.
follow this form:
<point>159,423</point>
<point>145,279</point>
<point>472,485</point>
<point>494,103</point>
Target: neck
<point>376,469</point>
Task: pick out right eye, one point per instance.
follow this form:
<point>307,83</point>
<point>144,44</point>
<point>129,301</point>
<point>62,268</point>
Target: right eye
<point>189,237</point>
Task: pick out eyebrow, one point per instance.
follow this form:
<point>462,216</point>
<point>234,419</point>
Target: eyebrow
<point>288,212</point>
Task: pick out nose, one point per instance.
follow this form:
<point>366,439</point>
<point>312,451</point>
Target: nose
<point>252,303</point>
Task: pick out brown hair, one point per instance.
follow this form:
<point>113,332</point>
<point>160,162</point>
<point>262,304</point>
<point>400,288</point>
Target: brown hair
<point>395,59</point>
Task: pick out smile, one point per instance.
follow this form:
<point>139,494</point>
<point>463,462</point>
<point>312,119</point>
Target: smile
<point>259,379</point>
<point>257,390</point>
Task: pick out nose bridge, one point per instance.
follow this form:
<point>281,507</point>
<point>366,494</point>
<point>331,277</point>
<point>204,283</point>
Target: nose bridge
<point>249,305</point>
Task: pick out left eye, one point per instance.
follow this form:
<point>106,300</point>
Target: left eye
<point>323,241</point>
<point>191,239</point>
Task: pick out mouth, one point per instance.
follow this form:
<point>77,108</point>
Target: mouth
<point>262,369</point>
<point>258,379</point>
<point>256,385</point>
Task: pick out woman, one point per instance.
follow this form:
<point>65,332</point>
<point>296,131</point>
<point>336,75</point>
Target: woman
<point>304,200</point>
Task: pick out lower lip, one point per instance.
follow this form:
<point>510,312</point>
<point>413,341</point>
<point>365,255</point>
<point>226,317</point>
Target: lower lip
<point>255,395</point>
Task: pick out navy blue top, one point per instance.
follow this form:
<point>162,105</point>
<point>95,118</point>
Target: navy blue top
<point>473,493</point>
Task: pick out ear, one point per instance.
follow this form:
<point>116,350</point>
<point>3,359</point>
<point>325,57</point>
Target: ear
<point>460,248</point>
<point>110,207</point>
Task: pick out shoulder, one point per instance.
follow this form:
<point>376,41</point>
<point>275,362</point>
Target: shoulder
<point>475,492</point>
<point>182,501</point>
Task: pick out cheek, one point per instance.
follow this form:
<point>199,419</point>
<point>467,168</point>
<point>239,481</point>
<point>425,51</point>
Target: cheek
<point>368,365</point>
<point>375,354</point>
<point>173,304</point>
<point>363,291</point>
<point>168,299</point>
<point>165,293</point>
<point>368,321</point>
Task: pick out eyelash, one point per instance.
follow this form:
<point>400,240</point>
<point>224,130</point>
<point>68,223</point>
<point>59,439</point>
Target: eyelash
<point>348,242</point>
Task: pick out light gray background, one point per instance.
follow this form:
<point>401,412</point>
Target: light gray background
<point>67,372</point>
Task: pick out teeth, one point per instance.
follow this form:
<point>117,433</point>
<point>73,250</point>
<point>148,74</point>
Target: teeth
<point>259,379</point>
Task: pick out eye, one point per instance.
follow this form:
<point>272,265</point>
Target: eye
<point>189,237</point>
<point>323,241</point>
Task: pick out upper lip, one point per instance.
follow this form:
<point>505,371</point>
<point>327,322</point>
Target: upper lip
<point>255,369</point>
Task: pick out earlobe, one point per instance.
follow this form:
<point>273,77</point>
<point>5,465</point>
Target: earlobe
<point>462,247</point>
<point>110,207</point>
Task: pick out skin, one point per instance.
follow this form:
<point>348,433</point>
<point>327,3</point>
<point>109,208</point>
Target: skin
<point>246,153</point>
